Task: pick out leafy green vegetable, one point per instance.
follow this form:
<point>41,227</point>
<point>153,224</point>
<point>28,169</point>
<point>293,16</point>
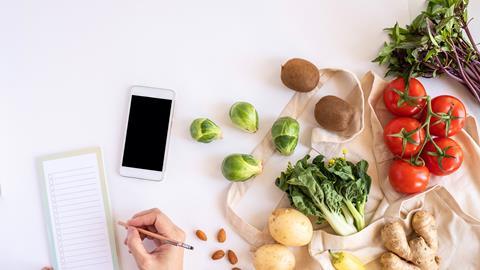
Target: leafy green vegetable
<point>438,41</point>
<point>285,132</point>
<point>336,191</point>
<point>244,116</point>
<point>241,167</point>
<point>205,130</point>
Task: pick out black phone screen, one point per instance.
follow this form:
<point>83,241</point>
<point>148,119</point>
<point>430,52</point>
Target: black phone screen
<point>147,131</point>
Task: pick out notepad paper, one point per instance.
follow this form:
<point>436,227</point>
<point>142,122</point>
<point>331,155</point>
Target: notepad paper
<point>76,201</point>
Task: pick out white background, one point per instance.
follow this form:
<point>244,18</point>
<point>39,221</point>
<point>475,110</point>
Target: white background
<point>65,70</point>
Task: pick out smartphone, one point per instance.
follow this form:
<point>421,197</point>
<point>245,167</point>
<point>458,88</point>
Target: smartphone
<point>147,133</point>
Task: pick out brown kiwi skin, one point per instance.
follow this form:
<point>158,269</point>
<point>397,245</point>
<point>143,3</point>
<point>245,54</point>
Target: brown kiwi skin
<point>333,113</point>
<point>300,75</point>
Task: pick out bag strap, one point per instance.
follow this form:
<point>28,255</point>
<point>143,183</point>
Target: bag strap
<point>472,128</point>
<point>264,151</point>
<point>447,197</point>
<point>394,210</point>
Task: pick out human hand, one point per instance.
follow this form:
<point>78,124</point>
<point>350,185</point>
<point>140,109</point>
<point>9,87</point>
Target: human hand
<point>164,256</point>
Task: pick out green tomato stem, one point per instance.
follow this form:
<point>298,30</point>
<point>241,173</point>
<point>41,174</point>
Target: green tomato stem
<point>426,125</point>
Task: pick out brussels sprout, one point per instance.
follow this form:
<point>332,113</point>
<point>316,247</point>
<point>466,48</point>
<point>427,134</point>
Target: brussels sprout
<point>205,130</point>
<point>244,116</point>
<point>240,167</point>
<point>285,135</point>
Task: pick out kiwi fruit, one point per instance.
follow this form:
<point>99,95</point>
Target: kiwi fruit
<point>333,113</point>
<point>300,75</point>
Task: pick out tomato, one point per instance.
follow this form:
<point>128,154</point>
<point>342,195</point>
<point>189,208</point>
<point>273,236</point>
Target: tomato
<point>445,161</point>
<point>403,103</point>
<point>404,136</point>
<point>453,114</point>
<point>407,178</point>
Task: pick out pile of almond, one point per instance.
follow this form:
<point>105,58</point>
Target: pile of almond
<point>219,254</point>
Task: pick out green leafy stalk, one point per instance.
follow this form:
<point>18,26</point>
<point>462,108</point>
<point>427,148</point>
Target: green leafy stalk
<point>354,186</point>
<point>438,41</point>
<point>336,192</point>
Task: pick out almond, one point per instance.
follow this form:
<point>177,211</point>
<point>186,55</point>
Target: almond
<point>201,235</point>
<point>221,236</point>
<point>217,255</point>
<point>232,257</point>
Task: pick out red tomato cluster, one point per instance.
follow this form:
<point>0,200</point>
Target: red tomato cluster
<point>418,151</point>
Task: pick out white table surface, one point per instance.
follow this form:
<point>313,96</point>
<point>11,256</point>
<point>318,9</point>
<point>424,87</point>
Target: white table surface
<point>66,67</point>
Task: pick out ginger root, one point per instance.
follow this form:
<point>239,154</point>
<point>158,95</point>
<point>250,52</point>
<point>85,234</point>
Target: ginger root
<point>417,254</point>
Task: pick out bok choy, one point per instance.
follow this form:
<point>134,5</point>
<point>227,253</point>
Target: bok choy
<point>335,191</point>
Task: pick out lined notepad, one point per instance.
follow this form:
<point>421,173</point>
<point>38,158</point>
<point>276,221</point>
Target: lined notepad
<point>78,212</point>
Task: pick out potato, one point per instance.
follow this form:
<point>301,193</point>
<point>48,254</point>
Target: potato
<point>273,257</point>
<point>300,75</point>
<point>290,227</point>
<point>333,113</point>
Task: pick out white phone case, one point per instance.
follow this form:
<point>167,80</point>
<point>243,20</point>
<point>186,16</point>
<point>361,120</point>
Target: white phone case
<point>154,93</point>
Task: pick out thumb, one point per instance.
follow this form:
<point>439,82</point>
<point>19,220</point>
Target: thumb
<point>135,245</point>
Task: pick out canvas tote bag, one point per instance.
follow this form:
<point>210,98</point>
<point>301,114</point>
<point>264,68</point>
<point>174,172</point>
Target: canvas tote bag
<point>458,233</point>
<point>342,83</point>
<point>363,141</point>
